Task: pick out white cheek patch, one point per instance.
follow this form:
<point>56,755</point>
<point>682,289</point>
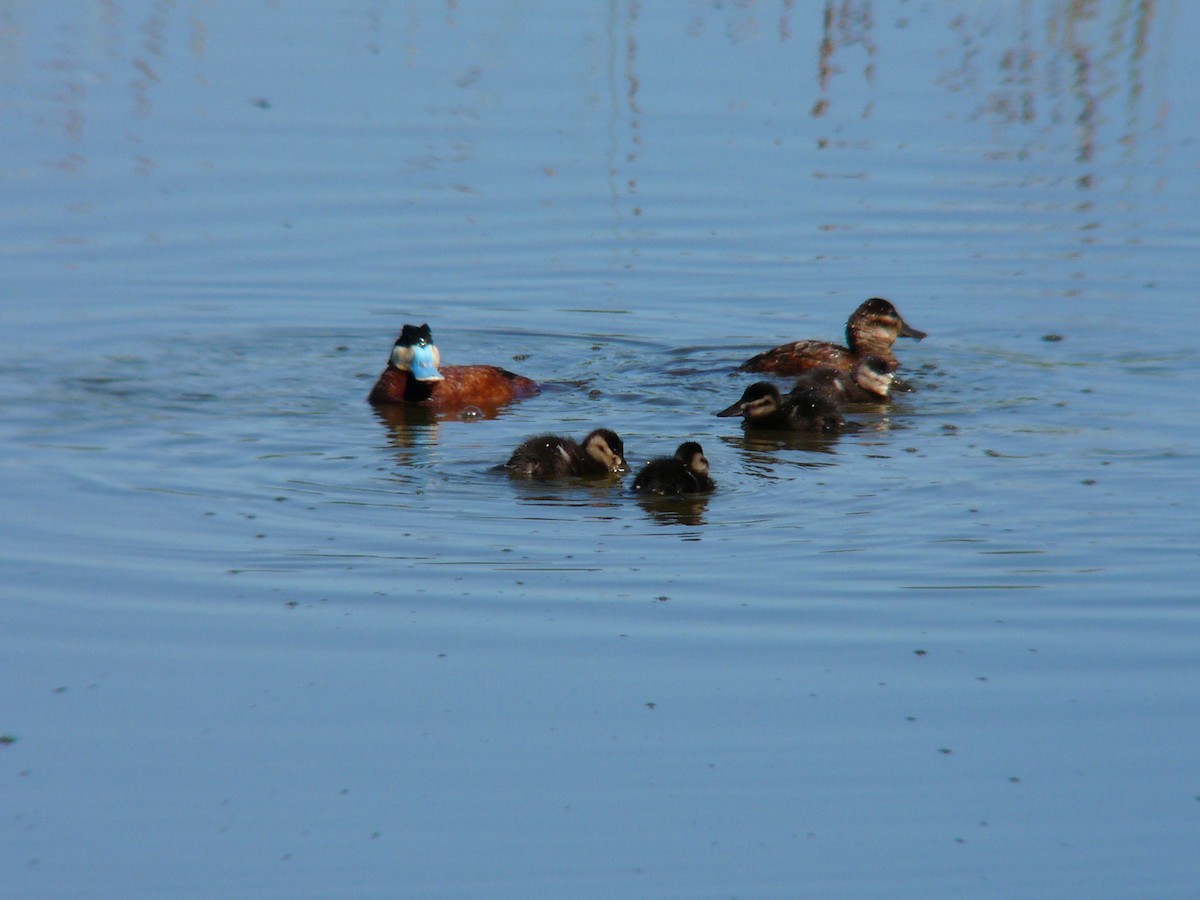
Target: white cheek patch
<point>883,331</point>
<point>879,384</point>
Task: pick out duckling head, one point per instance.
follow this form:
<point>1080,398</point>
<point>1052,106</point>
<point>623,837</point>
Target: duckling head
<point>759,399</point>
<point>691,454</point>
<point>875,375</point>
<point>606,448</point>
<point>415,352</point>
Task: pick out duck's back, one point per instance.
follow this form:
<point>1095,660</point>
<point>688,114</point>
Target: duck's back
<point>664,476</point>
<point>670,476</point>
<point>480,385</point>
<point>545,456</point>
<point>798,357</point>
<point>812,407</point>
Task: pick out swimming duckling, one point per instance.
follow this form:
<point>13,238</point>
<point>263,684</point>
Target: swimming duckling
<point>684,473</point>
<point>871,330</point>
<point>804,408</point>
<point>869,381</point>
<point>550,455</point>
<point>414,374</point>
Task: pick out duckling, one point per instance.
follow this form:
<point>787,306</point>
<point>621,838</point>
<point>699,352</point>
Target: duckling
<point>871,330</point>
<point>684,473</point>
<point>414,374</point>
<point>870,380</point>
<point>804,408</point>
<point>549,455</point>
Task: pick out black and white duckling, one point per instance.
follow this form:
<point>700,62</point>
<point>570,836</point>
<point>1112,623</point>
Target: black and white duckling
<point>804,408</point>
<point>684,473</point>
<point>550,455</point>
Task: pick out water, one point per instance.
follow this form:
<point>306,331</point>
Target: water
<point>260,640</point>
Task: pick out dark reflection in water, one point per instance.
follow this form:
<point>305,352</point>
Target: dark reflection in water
<point>1081,65</point>
<point>767,442</point>
<point>844,25</point>
<point>621,40</point>
<point>401,418</point>
<point>680,509</point>
<point>413,431</point>
<point>579,491</point>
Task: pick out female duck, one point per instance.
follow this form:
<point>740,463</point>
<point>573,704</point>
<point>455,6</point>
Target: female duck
<point>549,456</point>
<point>684,473</point>
<point>807,407</point>
<point>414,374</point>
<point>871,330</point>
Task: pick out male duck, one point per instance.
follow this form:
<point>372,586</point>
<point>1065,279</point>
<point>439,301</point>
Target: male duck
<point>414,374</point>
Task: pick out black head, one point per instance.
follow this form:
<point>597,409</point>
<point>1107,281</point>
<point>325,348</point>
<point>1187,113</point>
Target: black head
<point>877,365</point>
<point>414,336</point>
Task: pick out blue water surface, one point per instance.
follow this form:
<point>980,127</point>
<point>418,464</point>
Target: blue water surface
<point>259,639</point>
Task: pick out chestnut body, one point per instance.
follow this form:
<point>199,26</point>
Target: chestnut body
<point>414,374</point>
<point>460,386</point>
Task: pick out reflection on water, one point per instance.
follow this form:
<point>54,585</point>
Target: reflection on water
<point>1078,70</point>
<point>572,491</point>
<point>759,444</point>
<point>681,509</point>
<point>846,27</point>
<point>401,418</point>
<point>1083,66</point>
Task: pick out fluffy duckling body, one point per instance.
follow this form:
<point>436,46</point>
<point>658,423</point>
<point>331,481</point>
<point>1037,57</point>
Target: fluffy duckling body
<point>871,330</point>
<point>550,455</point>
<point>870,380</point>
<point>414,374</point>
<point>684,473</point>
<point>807,407</point>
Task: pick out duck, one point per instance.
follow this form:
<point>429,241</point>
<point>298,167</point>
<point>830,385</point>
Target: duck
<point>869,380</point>
<point>871,330</point>
<point>414,374</point>
<point>807,407</point>
<point>684,473</point>
<point>602,452</point>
